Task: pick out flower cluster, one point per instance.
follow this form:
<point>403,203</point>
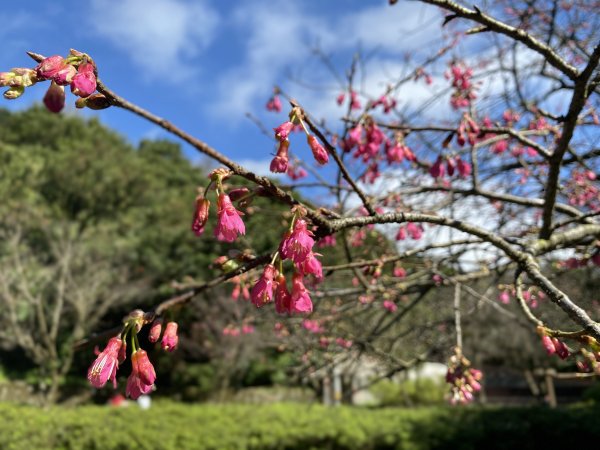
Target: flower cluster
<point>77,70</point>
<point>280,163</point>
<point>463,379</point>
<point>354,101</point>
<point>552,345</point>
<point>142,377</point>
<point>297,246</point>
<point>229,220</point>
<point>274,103</point>
<point>464,88</point>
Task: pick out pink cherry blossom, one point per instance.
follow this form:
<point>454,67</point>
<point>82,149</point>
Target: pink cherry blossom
<point>229,222</point>
<point>262,291</point>
<point>298,244</point>
<point>280,162</point>
<point>300,299</point>
<point>318,151</point>
<point>170,339</point>
<point>106,364</point>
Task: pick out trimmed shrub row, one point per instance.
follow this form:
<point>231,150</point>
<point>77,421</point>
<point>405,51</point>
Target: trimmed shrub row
<point>171,426</point>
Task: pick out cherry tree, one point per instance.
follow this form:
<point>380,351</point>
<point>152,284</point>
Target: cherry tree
<point>486,188</point>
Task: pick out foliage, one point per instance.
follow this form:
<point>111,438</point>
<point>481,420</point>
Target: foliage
<point>168,426</point>
<point>418,392</point>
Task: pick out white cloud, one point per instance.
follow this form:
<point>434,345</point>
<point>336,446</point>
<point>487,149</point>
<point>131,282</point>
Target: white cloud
<point>280,35</point>
<point>158,35</point>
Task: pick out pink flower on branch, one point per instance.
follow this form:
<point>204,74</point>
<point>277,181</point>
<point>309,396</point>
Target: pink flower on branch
<point>283,131</point>
<point>280,162</point>
<point>54,100</point>
<point>262,291</point>
<point>300,299</point>
<point>49,67</point>
<point>170,339</point>
<point>155,331</point>
<point>318,151</point>
<point>229,222</point>
<point>106,364</point>
<point>298,244</point>
<point>142,375</point>
<point>283,298</point>
<point>84,83</point>
<point>274,104</point>
<point>200,215</point>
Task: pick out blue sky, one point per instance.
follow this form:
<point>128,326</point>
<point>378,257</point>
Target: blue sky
<point>203,64</point>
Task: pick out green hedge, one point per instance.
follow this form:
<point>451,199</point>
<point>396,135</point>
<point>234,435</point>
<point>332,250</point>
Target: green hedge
<point>168,426</point>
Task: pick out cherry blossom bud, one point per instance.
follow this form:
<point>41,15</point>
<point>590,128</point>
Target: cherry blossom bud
<point>55,98</point>
<point>84,82</point>
<point>238,193</point>
<point>170,339</point>
<point>200,215</point>
<point>548,344</point>
<point>14,92</point>
<point>95,102</point>
<point>49,67</point>
<point>437,169</point>
<point>142,375</point>
<point>155,330</point>
<point>319,152</point>
<point>64,76</point>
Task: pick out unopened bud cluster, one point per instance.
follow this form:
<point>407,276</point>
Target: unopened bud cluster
<point>76,70</point>
<point>463,379</point>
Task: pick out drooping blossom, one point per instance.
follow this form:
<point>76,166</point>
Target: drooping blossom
<point>282,296</point>
<point>296,172</point>
<point>229,222</point>
<point>318,151</point>
<point>200,215</point>
<point>279,164</point>
<point>155,331</point>
<point>283,131</point>
<point>54,99</point>
<point>106,364</point>
<point>262,291</point>
<point>170,339</point>
<point>311,265</point>
<point>340,98</point>
<point>300,299</point>
<point>142,375</point>
<point>298,244</point>
<point>274,104</point>
<point>437,168</point>
<point>84,83</point>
